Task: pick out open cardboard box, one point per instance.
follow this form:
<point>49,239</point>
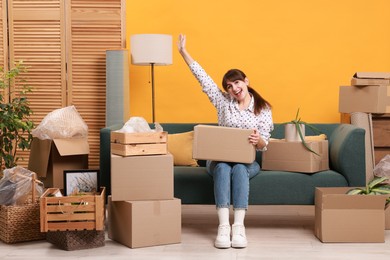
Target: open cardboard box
<point>49,158</point>
<point>370,79</point>
<point>293,156</point>
<point>340,217</point>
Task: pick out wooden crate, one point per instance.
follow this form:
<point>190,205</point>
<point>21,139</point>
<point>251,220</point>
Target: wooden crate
<point>132,144</point>
<point>67,213</point>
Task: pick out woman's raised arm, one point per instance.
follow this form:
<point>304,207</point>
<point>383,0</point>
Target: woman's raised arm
<point>181,45</point>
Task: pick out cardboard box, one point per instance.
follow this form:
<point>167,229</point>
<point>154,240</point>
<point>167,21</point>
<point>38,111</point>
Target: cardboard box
<point>49,159</point>
<point>130,144</point>
<point>348,218</point>
<point>142,177</point>
<point>225,144</point>
<point>371,79</point>
<point>293,156</point>
<point>368,99</point>
<point>144,223</point>
<point>387,218</point>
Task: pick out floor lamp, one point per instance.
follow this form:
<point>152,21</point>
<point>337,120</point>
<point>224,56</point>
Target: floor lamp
<point>151,50</point>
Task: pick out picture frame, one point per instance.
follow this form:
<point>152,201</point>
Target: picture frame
<point>84,181</point>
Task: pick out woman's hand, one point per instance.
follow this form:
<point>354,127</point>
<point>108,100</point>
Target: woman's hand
<point>256,140</point>
<point>181,43</point>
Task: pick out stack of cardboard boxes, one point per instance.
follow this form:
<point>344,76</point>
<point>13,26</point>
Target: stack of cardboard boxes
<point>369,92</point>
<point>142,210</point>
<point>347,218</point>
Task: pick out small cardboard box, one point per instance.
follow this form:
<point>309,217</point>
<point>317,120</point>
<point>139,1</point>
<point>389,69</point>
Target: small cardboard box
<point>49,159</point>
<point>130,144</point>
<point>142,177</point>
<point>348,218</point>
<point>293,156</point>
<point>371,79</point>
<point>225,144</point>
<point>368,99</point>
<point>144,223</point>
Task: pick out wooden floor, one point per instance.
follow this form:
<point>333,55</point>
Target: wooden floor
<point>274,232</point>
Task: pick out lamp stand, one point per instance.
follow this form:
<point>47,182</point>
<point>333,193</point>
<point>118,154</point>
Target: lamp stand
<point>153,105</point>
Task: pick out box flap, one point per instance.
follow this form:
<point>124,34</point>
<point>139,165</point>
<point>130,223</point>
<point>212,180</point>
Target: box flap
<point>75,146</point>
<point>372,75</point>
<point>336,198</point>
<point>39,156</point>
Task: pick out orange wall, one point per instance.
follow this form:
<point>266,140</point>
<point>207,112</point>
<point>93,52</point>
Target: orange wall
<point>295,53</point>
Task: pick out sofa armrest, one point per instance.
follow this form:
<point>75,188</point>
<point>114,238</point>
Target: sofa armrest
<point>347,153</point>
<point>105,156</point>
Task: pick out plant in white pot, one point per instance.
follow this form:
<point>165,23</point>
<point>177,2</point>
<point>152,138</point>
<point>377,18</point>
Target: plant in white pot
<point>294,131</point>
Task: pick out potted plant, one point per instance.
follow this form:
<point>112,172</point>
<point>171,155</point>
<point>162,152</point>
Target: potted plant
<point>295,131</point>
<point>15,122</point>
<point>376,186</point>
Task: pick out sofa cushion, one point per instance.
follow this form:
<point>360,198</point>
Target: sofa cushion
<point>180,146</point>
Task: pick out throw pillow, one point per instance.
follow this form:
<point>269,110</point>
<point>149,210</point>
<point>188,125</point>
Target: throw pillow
<point>180,146</point>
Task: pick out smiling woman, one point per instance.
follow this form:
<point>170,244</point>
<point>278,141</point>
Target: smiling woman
<point>238,107</point>
<point>296,53</point>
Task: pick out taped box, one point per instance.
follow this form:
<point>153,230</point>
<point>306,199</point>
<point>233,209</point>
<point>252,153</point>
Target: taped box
<point>142,177</point>
<point>144,223</point>
<point>340,217</point>
<point>368,99</point>
<point>226,144</point>
<point>133,144</point>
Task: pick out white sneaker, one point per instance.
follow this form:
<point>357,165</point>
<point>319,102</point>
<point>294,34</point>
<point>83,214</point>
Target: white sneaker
<point>239,237</point>
<point>223,237</point>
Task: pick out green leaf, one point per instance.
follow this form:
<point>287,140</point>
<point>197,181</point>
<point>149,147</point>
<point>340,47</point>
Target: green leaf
<point>381,191</point>
<point>355,191</point>
<point>376,181</point>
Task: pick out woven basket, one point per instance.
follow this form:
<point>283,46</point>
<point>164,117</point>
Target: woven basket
<point>21,223</point>
<point>76,240</point>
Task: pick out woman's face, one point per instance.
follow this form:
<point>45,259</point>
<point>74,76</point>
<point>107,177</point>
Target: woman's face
<point>238,89</point>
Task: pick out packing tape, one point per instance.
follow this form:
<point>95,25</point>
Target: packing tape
<point>364,120</point>
<point>157,208</point>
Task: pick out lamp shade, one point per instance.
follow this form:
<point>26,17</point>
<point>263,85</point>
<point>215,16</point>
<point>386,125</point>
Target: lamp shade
<point>149,49</point>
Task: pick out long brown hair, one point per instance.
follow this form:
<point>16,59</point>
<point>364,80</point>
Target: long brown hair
<point>236,74</point>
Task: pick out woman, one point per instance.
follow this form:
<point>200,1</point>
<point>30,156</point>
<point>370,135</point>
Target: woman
<point>242,107</point>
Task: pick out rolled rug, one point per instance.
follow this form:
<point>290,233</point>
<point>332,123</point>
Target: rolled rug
<point>364,120</point>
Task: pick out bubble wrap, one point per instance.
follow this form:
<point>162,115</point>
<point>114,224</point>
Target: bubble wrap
<point>62,123</point>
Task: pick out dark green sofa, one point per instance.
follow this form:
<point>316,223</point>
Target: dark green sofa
<point>194,186</point>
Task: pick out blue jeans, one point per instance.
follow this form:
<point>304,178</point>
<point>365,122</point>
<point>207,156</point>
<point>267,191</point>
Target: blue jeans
<point>231,180</point>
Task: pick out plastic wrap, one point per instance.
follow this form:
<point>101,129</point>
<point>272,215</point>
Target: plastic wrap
<point>139,125</point>
<point>16,186</point>
<point>62,123</point>
<point>382,169</point>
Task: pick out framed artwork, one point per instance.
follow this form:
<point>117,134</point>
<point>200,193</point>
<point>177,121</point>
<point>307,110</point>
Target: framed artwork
<point>81,182</point>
